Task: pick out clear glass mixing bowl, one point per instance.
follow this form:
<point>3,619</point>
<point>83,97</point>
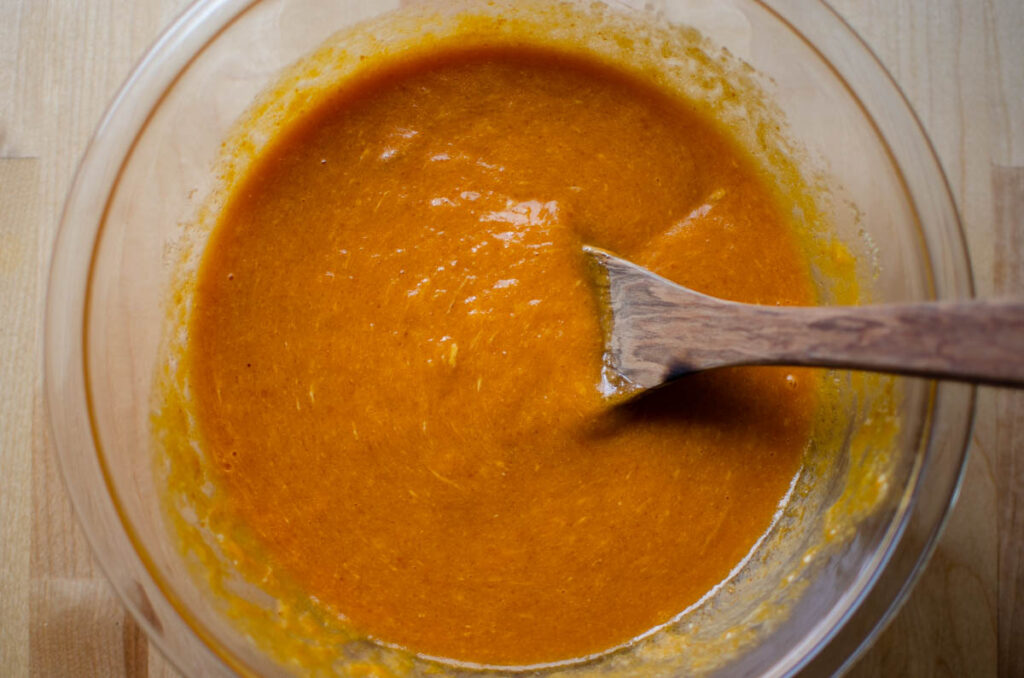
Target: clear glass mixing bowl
<point>149,165</point>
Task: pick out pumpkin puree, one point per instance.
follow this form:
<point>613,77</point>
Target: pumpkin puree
<point>395,353</point>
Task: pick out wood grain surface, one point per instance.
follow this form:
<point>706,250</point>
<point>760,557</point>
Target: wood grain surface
<point>961,64</point>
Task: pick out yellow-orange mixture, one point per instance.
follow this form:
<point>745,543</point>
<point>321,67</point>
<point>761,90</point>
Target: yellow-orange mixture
<point>395,353</point>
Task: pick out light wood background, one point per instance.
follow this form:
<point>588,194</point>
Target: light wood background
<point>960,62</point>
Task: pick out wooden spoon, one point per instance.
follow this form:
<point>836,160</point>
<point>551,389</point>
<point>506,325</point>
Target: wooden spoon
<point>657,330</point>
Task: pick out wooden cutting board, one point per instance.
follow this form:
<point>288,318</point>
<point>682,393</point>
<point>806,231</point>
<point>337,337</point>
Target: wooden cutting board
<point>961,64</point>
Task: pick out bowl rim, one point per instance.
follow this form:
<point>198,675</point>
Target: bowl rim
<point>880,610</point>
<point>185,40</point>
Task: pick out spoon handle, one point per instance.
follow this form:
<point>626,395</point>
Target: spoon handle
<point>978,341</point>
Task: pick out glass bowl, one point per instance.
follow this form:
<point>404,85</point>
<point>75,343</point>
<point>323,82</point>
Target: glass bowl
<point>149,166</point>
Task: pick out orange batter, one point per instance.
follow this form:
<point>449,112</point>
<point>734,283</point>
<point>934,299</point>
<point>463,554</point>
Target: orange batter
<point>395,356</point>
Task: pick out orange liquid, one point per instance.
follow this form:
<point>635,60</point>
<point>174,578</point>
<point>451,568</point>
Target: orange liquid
<point>395,354</point>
